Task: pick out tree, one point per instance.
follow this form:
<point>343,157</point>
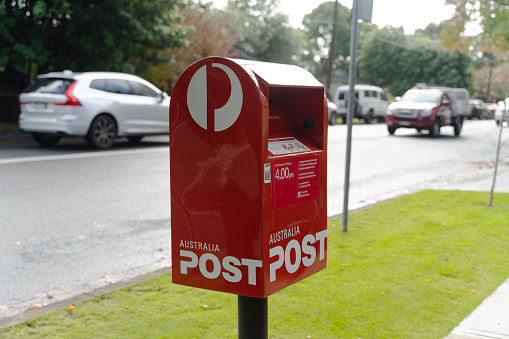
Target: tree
<point>263,33</point>
<point>490,16</point>
<point>38,36</point>
<point>491,82</point>
<point>318,36</point>
<point>208,34</point>
<point>389,58</point>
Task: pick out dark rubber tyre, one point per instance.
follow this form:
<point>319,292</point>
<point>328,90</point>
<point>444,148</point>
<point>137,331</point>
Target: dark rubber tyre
<point>102,132</point>
<point>435,129</point>
<point>458,125</point>
<point>368,119</point>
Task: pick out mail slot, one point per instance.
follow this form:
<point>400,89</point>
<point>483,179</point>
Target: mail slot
<point>248,170</point>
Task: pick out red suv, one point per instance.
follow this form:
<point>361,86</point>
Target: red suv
<point>423,109</point>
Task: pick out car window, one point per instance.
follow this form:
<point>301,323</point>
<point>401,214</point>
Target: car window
<point>374,94</point>
<point>445,99</point>
<point>118,86</point>
<point>100,84</point>
<point>367,94</point>
<point>419,95</point>
<point>344,95</point>
<point>53,86</point>
<point>141,89</point>
<point>384,98</point>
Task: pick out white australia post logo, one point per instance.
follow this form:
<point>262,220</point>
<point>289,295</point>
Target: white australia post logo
<point>197,99</point>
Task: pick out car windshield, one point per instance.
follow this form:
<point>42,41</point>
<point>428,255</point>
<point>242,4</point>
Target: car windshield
<point>53,86</point>
<point>420,95</point>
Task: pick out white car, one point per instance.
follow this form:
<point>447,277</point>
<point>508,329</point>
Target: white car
<point>99,106</point>
<point>502,110</point>
<point>333,112</point>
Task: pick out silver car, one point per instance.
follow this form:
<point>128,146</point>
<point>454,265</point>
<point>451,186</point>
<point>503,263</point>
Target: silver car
<point>502,111</point>
<point>99,106</point>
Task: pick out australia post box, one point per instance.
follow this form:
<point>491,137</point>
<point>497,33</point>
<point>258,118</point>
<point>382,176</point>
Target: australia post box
<point>248,168</point>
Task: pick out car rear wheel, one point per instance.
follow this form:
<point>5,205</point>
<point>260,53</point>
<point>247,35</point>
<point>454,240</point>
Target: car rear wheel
<point>458,125</point>
<point>435,130</point>
<point>46,139</point>
<point>368,119</point>
<point>102,132</point>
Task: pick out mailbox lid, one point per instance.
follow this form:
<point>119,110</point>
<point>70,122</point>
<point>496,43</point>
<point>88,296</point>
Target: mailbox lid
<point>280,75</point>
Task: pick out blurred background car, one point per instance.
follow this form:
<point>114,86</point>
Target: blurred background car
<point>479,109</point>
<point>491,106</point>
<point>99,106</point>
<point>502,111</point>
<point>370,102</point>
<point>333,112</point>
<point>423,108</point>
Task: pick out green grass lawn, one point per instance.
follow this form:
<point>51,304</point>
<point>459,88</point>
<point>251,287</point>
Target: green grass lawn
<point>413,267</point>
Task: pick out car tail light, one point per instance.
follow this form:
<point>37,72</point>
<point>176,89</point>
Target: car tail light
<point>71,99</point>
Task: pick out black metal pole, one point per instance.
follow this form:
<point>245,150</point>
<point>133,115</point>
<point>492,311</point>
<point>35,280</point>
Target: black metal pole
<point>253,318</point>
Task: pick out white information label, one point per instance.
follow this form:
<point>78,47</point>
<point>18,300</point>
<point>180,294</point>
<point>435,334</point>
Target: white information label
<point>266,173</point>
<point>286,146</point>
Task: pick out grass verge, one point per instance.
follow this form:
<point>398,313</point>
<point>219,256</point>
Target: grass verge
<point>413,267</point>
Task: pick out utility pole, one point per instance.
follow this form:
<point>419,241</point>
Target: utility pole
<point>350,110</point>
<point>332,52</point>
<point>361,9</point>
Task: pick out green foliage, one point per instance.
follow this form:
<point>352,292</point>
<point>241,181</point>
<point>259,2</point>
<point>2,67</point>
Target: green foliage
<point>263,33</point>
<point>492,17</point>
<point>318,37</point>
<point>38,36</point>
<point>413,267</point>
<point>391,59</point>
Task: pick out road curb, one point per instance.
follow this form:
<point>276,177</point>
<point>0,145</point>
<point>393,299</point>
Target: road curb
<point>61,304</point>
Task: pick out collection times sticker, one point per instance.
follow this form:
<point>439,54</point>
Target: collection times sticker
<point>294,180</point>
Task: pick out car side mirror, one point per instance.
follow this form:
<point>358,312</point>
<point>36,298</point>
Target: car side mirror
<point>162,96</point>
<point>446,102</point>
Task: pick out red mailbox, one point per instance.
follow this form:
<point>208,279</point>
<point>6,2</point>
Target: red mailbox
<point>248,170</point>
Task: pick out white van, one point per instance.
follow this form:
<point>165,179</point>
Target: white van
<point>372,102</point>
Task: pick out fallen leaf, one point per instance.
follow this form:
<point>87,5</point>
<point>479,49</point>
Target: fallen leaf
<point>16,243</point>
<point>205,306</point>
<point>127,307</point>
<point>96,225</point>
<point>474,291</point>
<point>31,307</point>
<point>70,308</point>
<point>3,307</point>
<point>81,237</point>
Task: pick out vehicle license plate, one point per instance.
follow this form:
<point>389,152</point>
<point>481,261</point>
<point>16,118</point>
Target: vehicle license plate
<point>40,105</point>
<point>404,123</point>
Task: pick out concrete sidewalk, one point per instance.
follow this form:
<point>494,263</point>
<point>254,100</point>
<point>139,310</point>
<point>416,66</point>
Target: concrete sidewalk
<point>491,318</point>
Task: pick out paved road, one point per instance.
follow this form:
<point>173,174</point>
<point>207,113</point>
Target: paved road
<point>73,219</point>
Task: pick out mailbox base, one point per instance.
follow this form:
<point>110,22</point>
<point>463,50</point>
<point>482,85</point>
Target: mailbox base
<point>253,318</point>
